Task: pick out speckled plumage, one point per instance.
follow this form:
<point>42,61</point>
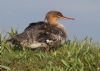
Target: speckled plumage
<point>40,34</point>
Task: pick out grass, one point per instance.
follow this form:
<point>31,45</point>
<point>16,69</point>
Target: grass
<point>75,55</point>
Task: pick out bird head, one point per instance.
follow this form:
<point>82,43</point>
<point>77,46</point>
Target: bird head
<point>53,16</point>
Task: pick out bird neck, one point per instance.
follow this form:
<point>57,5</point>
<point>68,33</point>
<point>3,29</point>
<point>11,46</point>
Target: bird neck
<point>52,22</point>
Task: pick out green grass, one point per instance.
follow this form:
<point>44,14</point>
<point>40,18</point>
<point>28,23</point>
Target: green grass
<point>76,55</point>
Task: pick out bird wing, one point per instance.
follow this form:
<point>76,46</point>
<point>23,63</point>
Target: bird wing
<point>34,25</point>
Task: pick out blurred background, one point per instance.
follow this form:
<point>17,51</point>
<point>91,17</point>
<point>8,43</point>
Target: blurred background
<point>19,13</point>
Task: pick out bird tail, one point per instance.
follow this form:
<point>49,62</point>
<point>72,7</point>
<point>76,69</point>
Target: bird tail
<point>9,40</point>
<point>12,41</point>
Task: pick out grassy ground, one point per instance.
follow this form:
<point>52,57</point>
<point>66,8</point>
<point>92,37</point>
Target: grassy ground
<point>76,55</point>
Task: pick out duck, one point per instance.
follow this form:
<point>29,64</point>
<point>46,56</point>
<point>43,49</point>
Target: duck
<point>45,34</point>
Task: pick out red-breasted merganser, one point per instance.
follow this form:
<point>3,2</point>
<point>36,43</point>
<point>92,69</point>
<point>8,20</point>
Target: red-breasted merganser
<point>44,34</point>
